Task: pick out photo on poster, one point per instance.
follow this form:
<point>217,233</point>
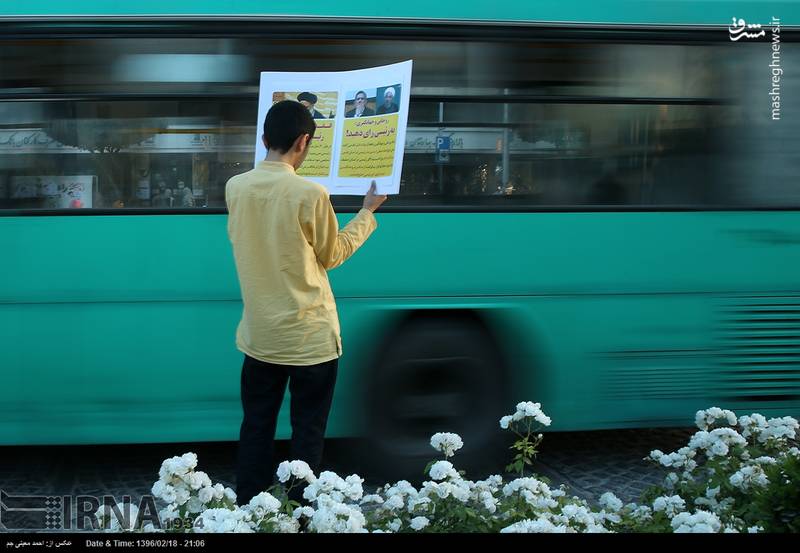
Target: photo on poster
<point>322,107</point>
<point>388,98</point>
<point>361,117</point>
<point>360,103</point>
<point>368,146</point>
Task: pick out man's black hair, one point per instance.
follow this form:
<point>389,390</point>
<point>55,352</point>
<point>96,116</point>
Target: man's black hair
<point>285,122</point>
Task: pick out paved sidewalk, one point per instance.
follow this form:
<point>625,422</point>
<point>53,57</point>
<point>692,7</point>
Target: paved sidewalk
<point>592,463</point>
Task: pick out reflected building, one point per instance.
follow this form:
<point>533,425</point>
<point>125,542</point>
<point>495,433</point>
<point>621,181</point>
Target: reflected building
<point>651,123</point>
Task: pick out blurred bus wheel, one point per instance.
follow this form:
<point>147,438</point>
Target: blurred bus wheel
<point>439,374</point>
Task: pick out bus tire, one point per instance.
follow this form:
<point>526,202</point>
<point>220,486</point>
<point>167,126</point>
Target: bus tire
<point>437,375</point>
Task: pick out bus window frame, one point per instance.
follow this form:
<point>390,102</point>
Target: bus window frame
<point>282,27</point>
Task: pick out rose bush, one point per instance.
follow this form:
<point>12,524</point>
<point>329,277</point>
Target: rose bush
<point>735,475</point>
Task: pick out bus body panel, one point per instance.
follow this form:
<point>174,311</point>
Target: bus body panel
<point>114,336</point>
<point>612,11</point>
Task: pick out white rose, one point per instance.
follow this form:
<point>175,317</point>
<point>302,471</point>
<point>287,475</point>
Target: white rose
<point>393,503</point>
<point>446,442</point>
<point>205,495</point>
<point>284,471</point>
<point>441,470</point>
<point>418,523</point>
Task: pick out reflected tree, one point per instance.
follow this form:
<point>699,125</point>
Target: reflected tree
<point>104,139</point>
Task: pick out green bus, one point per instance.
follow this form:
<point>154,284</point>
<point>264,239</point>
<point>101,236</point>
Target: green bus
<point>613,230</point>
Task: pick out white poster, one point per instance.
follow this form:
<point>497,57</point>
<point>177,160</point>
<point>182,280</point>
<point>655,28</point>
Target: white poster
<point>59,192</point>
<point>361,119</point>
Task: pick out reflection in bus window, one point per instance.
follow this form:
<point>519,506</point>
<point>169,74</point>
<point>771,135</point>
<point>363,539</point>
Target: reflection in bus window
<point>688,130</point>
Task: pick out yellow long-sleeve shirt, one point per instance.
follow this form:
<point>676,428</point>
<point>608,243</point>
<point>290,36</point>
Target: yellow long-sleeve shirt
<point>285,237</point>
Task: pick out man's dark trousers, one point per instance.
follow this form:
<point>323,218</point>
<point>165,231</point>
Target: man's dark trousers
<point>263,388</point>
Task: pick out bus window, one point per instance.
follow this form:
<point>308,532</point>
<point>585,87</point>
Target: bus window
<point>163,122</point>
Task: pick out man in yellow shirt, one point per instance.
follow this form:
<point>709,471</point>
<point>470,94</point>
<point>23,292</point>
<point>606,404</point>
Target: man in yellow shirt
<point>285,238</point>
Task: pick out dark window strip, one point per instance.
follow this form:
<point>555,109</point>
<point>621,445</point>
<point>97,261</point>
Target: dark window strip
<point>339,28</point>
<point>242,96</point>
<point>404,209</point>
